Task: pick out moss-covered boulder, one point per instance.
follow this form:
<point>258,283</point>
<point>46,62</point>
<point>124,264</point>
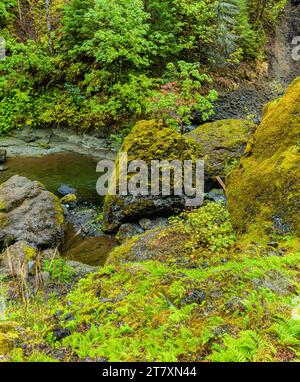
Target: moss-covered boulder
<point>149,140</point>
<point>221,144</point>
<point>264,191</point>
<point>29,212</point>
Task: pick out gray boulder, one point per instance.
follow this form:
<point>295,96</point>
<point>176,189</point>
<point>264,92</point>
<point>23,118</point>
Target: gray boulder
<point>28,212</point>
<point>128,230</point>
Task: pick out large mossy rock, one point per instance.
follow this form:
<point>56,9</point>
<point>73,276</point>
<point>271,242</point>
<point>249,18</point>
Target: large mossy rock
<point>149,140</point>
<point>264,191</point>
<point>221,144</point>
<point>29,213</point>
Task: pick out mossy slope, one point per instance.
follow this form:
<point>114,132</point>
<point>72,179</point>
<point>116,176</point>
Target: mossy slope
<point>264,191</point>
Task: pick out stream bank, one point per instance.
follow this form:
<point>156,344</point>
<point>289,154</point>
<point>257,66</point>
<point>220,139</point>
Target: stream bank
<point>65,162</point>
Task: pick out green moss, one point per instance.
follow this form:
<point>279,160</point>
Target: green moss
<point>30,252</point>
<point>7,336</point>
<point>70,198</point>
<point>59,212</point>
<point>221,143</point>
<point>2,206</point>
<point>264,191</point>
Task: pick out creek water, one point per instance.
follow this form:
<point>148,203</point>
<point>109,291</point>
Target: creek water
<point>74,170</point>
<point>78,172</point>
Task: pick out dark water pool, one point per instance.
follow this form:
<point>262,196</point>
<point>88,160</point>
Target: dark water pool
<point>74,170</point>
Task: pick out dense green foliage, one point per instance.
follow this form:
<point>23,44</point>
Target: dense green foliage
<point>99,64</point>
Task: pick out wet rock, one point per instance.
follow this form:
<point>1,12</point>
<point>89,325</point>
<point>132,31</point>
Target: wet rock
<point>195,296</point>
<point>80,269</point>
<point>28,212</point>
<point>60,333</point>
<point>145,224</point>
<point>148,224</point>
<point>216,195</point>
<point>3,168</point>
<point>84,219</point>
<point>129,230</point>
<point>3,154</point>
<point>65,190</point>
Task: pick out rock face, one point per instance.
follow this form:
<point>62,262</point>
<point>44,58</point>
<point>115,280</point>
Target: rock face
<point>149,140</point>
<point>28,212</point>
<point>221,143</point>
<point>264,191</point>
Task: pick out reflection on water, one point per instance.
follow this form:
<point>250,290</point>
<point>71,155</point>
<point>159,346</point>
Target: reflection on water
<point>53,170</point>
<point>89,250</point>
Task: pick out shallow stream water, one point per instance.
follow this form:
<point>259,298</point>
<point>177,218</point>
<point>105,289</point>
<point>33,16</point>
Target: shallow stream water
<point>74,170</point>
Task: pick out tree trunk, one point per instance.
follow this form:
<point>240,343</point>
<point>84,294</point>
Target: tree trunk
<point>49,27</point>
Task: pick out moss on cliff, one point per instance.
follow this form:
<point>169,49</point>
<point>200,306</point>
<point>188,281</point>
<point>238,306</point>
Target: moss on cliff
<point>264,191</point>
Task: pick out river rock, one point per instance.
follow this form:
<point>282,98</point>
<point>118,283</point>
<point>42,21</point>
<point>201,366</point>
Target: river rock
<point>148,224</point>
<point>65,190</point>
<point>15,259</point>
<point>2,156</point>
<point>128,230</point>
<point>28,212</point>
<point>264,190</point>
<point>149,140</point>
